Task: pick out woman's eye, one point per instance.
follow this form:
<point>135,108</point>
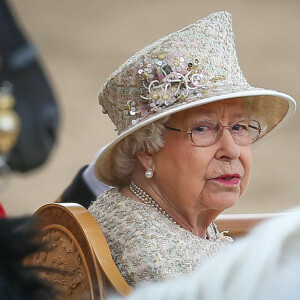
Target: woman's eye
<point>240,127</point>
<point>202,128</point>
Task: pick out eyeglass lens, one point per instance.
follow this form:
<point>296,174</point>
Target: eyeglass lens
<point>244,132</point>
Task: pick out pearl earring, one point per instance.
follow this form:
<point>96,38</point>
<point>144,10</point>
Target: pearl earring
<point>149,173</point>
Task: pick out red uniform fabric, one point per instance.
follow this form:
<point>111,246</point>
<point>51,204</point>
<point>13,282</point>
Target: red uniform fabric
<point>2,212</point>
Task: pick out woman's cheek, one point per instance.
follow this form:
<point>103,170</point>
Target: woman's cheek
<point>244,183</point>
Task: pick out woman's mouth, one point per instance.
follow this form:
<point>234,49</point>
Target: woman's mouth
<point>228,179</point>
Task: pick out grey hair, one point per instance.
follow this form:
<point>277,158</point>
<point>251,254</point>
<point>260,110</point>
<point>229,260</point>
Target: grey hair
<point>147,139</point>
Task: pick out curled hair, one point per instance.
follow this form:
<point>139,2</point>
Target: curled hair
<point>147,139</point>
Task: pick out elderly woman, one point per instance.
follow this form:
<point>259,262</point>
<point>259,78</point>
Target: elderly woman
<point>187,119</point>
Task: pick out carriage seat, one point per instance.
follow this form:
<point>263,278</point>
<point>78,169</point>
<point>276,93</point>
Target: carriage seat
<point>240,224</point>
<point>77,247</point>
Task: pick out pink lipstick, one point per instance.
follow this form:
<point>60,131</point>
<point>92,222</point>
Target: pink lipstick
<point>228,179</point>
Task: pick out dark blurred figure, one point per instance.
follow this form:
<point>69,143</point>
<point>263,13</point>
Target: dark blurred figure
<point>85,186</point>
<point>34,100</point>
<point>18,281</point>
<point>23,83</point>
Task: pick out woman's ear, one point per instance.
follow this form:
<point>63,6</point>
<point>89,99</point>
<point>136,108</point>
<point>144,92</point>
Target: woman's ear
<point>145,159</point>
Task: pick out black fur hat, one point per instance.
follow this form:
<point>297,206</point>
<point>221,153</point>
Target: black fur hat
<point>17,281</point>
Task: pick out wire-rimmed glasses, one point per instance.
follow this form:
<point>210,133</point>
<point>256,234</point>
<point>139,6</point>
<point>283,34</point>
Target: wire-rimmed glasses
<point>208,132</point>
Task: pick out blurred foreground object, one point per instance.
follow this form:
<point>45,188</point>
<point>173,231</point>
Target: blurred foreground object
<point>34,100</point>
<point>17,281</point>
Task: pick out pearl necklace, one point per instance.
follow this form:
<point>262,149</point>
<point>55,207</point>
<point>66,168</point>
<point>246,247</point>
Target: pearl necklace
<point>145,198</point>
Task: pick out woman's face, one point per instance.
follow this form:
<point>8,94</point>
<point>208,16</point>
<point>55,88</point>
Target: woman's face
<point>192,178</point>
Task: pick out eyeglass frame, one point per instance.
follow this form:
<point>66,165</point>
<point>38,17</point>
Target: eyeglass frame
<point>228,127</point>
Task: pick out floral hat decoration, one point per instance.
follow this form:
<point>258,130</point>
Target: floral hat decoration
<point>190,67</point>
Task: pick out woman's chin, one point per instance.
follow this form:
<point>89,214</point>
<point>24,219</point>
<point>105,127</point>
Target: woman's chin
<point>220,198</point>
<point>224,201</point>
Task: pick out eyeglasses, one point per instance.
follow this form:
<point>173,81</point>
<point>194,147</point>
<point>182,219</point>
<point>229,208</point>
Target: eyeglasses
<point>206,133</point>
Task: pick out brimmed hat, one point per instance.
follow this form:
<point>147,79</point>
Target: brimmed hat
<point>190,67</point>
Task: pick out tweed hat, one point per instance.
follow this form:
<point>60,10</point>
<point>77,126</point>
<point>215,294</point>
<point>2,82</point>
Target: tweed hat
<point>190,67</point>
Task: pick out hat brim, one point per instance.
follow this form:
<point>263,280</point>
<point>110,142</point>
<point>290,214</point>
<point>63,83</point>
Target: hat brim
<point>275,108</point>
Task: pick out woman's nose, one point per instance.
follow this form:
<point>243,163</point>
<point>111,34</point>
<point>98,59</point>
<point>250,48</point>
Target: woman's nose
<point>227,148</point>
